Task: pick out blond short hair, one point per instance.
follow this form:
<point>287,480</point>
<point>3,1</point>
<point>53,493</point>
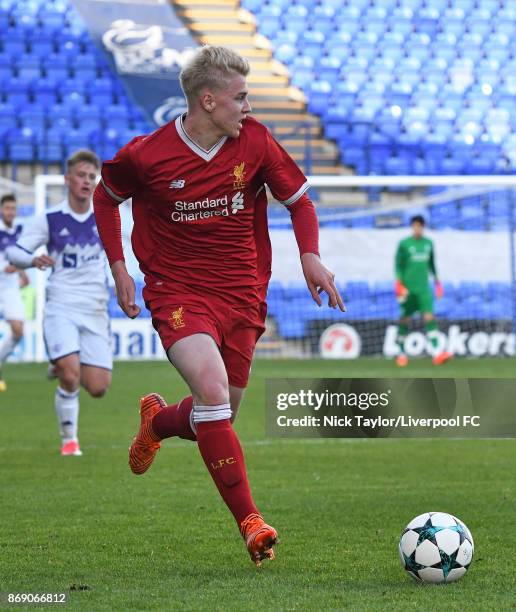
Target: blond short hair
<point>210,67</point>
<point>83,155</point>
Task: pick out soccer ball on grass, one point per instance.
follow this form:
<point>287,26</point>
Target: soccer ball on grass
<point>436,547</point>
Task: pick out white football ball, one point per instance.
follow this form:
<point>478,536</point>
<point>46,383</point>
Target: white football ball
<point>436,547</point>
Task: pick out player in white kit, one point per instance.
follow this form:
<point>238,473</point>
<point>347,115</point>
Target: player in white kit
<point>11,303</point>
<point>76,324</point>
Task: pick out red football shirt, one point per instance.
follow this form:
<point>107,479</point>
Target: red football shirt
<point>200,217</point>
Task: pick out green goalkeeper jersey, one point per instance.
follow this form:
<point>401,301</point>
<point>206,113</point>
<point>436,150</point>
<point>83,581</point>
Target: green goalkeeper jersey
<point>414,262</point>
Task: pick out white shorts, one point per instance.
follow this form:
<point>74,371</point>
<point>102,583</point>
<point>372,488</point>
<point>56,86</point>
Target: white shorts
<point>68,331</point>
<point>11,305</point>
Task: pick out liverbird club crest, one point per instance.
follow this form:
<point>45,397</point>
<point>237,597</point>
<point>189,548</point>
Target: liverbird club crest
<point>176,319</point>
<point>239,176</point>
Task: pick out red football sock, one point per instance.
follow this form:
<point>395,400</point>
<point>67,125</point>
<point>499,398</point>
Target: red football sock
<point>174,421</point>
<point>223,456</point>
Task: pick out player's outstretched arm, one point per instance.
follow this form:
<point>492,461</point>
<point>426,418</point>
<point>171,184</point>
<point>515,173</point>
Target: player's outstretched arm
<point>318,277</point>
<point>34,235</point>
<point>21,259</point>
<point>125,289</point>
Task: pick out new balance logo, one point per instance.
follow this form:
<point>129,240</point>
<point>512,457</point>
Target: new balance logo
<point>64,232</point>
<point>177,184</point>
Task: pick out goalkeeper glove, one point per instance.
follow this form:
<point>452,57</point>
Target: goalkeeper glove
<point>439,291</point>
<point>401,291</point>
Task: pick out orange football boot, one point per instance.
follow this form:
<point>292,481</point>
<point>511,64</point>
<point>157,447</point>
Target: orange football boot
<point>146,444</point>
<point>259,538</point>
<point>442,358</point>
<point>401,361</point>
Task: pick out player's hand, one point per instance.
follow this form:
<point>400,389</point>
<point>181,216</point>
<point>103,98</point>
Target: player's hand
<point>439,291</point>
<point>42,262</point>
<point>24,279</point>
<point>9,269</point>
<point>319,278</point>
<point>125,290</point>
<point>400,290</point>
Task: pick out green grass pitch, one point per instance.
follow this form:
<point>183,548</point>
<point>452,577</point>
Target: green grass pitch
<point>165,541</point>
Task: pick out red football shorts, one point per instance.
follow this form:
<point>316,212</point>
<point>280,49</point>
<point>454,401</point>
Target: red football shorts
<point>235,330</point>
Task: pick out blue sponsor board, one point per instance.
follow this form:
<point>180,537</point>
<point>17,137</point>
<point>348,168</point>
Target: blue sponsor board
<point>146,44</point>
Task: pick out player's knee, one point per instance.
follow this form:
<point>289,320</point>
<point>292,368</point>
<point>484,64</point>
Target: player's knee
<point>97,391</point>
<point>17,330</point>
<point>68,378</point>
<point>97,388</point>
<point>212,392</point>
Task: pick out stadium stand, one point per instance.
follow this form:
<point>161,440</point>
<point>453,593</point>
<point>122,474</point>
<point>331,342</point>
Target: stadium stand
<point>409,87</point>
<point>57,92</point>
<point>412,87</point>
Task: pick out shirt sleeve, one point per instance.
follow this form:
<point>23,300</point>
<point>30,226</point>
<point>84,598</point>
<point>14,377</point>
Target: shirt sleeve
<point>281,173</point>
<point>432,262</point>
<point>119,176</point>
<point>34,235</point>
<point>107,218</point>
<point>305,224</point>
<point>399,262</point>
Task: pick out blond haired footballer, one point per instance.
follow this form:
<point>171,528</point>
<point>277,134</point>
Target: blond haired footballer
<point>200,235</point>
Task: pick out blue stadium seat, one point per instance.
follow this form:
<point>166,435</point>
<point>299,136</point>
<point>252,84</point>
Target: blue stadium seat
<point>302,78</point>
<point>41,43</point>
<point>14,42</point>
<point>357,290</point>
<point>383,290</point>
<point>85,67</point>
<point>470,289</point>
<point>291,327</point>
<point>75,139</point>
<point>52,19</point>
<point>285,52</point>
<point>6,66</point>
<point>33,116</point>
<point>444,307</point>
<point>497,291</point>
<point>8,116</point>
<point>252,5</point>
<point>443,215</point>
<point>51,148</point>
<point>21,145</point>
<point>56,67</point>
<point>89,118</point>
<point>117,117</point>
<point>16,90</point>
<point>44,92</point>
<point>320,91</point>
<point>28,66</point>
